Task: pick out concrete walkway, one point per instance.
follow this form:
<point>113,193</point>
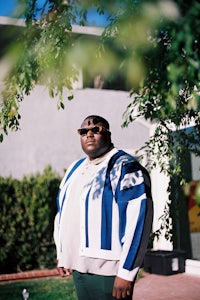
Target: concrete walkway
<point>181,286</point>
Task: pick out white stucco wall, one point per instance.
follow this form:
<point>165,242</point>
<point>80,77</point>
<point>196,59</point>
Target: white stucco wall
<point>48,135</point>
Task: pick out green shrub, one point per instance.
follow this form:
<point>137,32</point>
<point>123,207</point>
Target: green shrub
<point>27,211</point>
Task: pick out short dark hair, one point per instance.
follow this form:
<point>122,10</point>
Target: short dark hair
<point>97,119</point>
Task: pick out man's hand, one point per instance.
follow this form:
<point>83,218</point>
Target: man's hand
<point>64,272</point>
<point>122,288</point>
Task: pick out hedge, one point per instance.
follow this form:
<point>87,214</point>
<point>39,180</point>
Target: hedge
<point>27,211</point>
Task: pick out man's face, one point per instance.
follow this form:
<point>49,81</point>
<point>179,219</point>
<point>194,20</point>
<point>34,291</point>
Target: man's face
<point>95,144</point>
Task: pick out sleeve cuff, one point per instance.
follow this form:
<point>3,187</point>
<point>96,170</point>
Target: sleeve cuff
<point>128,275</point>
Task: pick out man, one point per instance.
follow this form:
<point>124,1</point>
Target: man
<point>104,217</point>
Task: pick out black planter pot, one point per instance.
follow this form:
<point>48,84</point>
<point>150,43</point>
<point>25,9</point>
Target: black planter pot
<point>164,262</point>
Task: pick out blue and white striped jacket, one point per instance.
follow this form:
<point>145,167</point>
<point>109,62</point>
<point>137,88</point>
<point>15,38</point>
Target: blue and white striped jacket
<point>122,194</point>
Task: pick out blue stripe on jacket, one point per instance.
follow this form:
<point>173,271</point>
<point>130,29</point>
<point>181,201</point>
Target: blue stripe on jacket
<point>86,219</point>
<point>122,206</point>
<point>107,202</point>
<point>131,193</point>
<point>127,194</point>
<point>129,262</point>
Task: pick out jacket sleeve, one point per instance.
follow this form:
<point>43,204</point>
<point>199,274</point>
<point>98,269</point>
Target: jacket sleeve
<point>59,200</point>
<point>57,217</point>
<point>56,233</point>
<point>136,215</point>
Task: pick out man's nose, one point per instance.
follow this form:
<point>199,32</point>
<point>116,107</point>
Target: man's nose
<point>90,133</point>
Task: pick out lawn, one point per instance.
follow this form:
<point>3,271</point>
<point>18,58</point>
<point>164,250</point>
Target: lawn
<point>45,289</point>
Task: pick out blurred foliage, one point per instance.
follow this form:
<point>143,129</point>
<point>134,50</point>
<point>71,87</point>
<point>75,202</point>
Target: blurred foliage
<point>27,211</point>
<point>169,93</point>
<point>169,97</point>
<point>152,45</point>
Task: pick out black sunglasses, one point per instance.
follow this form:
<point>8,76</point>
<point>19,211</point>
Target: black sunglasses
<point>96,129</point>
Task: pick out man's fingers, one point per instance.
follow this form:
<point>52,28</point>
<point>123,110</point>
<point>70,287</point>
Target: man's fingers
<point>121,294</point>
<point>64,272</point>
<point>122,288</point>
